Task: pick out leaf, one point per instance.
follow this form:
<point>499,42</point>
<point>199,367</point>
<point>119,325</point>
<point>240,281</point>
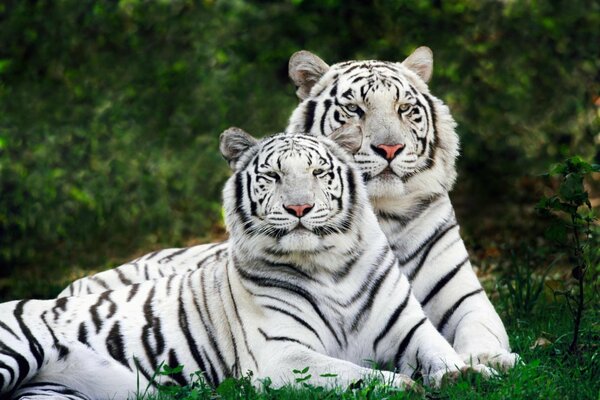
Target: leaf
<point>557,232</point>
<point>571,189</point>
<point>540,342</point>
<point>303,379</point>
<point>328,375</point>
<point>305,370</point>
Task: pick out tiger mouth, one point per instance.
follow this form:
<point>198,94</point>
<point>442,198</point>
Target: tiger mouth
<point>387,173</point>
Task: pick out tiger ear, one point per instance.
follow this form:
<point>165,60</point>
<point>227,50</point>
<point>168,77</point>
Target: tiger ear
<point>349,137</point>
<point>420,62</point>
<point>305,69</point>
<point>233,143</point>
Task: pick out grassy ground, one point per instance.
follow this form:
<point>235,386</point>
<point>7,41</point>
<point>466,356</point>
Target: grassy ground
<point>542,339</point>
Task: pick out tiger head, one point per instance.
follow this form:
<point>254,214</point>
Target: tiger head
<point>409,143</point>
<point>292,195</point>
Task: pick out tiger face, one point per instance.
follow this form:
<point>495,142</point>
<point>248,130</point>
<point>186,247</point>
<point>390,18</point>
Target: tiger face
<point>290,193</point>
<point>409,143</point>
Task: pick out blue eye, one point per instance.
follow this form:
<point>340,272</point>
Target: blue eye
<point>354,109</point>
<point>404,107</point>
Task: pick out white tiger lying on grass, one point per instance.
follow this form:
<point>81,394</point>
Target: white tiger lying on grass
<point>408,161</point>
<point>309,280</point>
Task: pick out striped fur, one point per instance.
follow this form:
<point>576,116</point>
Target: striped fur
<point>392,105</point>
<point>323,291</point>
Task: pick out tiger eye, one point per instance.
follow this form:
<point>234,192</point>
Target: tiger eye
<point>272,174</point>
<point>404,107</point>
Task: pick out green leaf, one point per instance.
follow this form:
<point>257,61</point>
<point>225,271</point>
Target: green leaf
<point>571,189</point>
<point>328,375</point>
<point>557,232</point>
<point>303,379</point>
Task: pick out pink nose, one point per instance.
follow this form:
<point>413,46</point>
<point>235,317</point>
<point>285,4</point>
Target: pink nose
<point>389,151</point>
<point>299,210</point>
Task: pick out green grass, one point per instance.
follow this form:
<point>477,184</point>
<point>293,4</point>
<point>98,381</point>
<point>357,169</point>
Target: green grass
<point>549,372</point>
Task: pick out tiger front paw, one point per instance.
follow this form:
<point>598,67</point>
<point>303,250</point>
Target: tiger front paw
<point>499,360</point>
<point>451,375</point>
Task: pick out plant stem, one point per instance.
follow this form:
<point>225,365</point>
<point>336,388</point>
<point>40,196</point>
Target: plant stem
<point>580,278</point>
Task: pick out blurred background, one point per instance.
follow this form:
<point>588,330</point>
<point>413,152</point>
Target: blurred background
<point>110,113</point>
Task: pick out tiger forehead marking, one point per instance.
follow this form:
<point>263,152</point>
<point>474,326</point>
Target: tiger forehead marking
<point>290,153</point>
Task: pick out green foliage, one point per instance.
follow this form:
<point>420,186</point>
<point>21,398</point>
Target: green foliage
<point>572,231</point>
<point>521,285</point>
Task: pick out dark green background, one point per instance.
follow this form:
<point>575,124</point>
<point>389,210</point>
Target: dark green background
<point>110,110</point>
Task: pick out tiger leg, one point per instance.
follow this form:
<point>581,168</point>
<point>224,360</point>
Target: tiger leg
<point>324,370</point>
<point>464,315</point>
<point>480,337</point>
<point>90,374</point>
<point>47,390</point>
<point>25,347</point>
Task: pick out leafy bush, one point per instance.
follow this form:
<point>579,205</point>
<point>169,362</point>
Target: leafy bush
<point>110,111</point>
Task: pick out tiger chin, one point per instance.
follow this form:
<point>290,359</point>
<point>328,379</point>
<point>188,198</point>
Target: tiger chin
<point>261,311</point>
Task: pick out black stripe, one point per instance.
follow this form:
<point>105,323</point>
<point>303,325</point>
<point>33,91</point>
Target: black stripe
<point>50,390</point>
<point>112,308</point>
<point>297,319</point>
<point>237,315</point>
<point>267,282</point>
<point>100,282</point>
<point>59,305</point>
<point>392,320</point>
<point>22,363</point>
<point>433,147</point>
<point>443,281</point>
<point>239,203</point>
<point>309,115</point>
<point>362,313</point>
<point>146,374</point>
<point>405,342</point>
<point>341,274</point>
<point>82,334</point>
<point>283,339</point>
<point>62,350</point>
<point>174,363</point>
<point>6,328</point>
<point>115,345</point>
<point>34,346</point>
<point>429,242</point>
<point>122,277</point>
<point>185,328</point>
<point>152,330</point>
<point>133,289</point>
<point>170,257</point>
<point>326,104</point>
<point>208,329</point>
<point>448,314</point>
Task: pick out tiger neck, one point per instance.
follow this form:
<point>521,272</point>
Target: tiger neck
<point>413,217</point>
<point>328,262</point>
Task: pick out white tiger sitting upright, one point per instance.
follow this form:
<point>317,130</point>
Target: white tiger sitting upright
<point>408,160</point>
<point>309,280</point>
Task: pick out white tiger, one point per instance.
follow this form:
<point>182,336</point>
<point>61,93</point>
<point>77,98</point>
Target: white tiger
<point>309,280</point>
<point>408,161</point>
